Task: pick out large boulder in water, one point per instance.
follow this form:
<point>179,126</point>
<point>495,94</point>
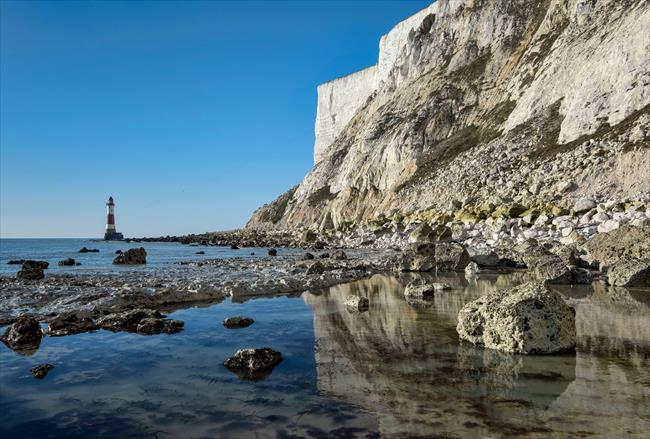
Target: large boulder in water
<point>127,320</point>
<point>253,363</point>
<point>29,264</point>
<point>629,272</point>
<point>24,331</point>
<point>528,319</point>
<point>132,256</point>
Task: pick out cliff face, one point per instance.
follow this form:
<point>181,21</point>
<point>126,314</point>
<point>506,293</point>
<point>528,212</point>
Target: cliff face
<point>476,102</point>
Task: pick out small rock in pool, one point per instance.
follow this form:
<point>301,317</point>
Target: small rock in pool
<point>308,256</point>
<point>273,252</point>
<point>339,255</point>
<point>237,322</point>
<point>252,253</point>
<point>254,363</point>
<point>158,325</point>
<point>24,331</point>
<point>200,253</point>
<point>234,247</point>
<point>41,370</point>
<point>419,290</point>
<point>356,304</point>
<point>88,250</point>
<point>67,262</point>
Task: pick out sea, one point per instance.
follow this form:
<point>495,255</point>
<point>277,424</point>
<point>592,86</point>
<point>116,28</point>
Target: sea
<point>159,254</point>
<point>397,370</point>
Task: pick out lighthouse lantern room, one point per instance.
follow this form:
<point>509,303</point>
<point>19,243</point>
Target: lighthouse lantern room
<point>111,233</point>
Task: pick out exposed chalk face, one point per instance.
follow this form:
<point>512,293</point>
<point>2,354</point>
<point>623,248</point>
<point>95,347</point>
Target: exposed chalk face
<point>341,98</point>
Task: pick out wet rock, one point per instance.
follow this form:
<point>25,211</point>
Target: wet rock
<point>528,319</point>
<point>200,253</point>
<point>355,304</point>
<point>16,262</point>
<point>450,256</point>
<point>629,272</point>
<point>471,270</point>
<point>324,255</point>
<point>24,331</point>
<point>41,370</point>
<point>152,326</point>
<point>88,250</point>
<point>67,262</point>
<point>30,274</point>
<point>632,242</point>
<point>238,322</point>
<point>272,252</point>
<point>253,363</point>
<point>127,320</point>
<point>546,266</point>
<point>410,261</point>
<point>132,256</point>
<point>29,264</point>
<point>580,276</point>
<point>308,256</point>
<point>316,268</point>
<point>70,323</point>
<point>419,289</point>
<point>118,252</point>
<point>234,247</point>
<point>339,255</point>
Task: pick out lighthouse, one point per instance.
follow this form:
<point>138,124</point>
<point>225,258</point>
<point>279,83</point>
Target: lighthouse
<point>111,233</point>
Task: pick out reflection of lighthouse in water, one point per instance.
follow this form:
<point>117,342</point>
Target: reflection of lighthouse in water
<point>111,234</point>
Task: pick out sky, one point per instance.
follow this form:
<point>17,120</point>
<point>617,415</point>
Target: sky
<point>190,114</point>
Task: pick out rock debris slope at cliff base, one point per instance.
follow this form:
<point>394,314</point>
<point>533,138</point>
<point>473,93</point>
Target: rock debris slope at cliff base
<point>480,112</point>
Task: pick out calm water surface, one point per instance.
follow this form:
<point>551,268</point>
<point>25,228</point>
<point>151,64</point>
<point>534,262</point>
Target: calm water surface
<point>397,370</point>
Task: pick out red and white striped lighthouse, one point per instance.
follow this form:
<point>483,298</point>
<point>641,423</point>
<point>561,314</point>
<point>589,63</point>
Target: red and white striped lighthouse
<point>111,232</point>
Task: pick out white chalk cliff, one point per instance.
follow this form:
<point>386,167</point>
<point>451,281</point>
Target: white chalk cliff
<point>483,102</point>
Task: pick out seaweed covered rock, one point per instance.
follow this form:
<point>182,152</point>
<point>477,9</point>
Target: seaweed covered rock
<point>132,256</point>
<point>527,319</point>
<point>254,363</point>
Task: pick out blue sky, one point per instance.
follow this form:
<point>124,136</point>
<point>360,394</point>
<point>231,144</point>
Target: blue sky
<point>191,114</point>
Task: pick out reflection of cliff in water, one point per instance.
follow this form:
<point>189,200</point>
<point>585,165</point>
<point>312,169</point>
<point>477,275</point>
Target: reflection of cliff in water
<point>404,363</point>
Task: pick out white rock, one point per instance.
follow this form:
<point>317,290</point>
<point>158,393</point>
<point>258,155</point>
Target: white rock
<point>608,226</point>
<point>583,205</point>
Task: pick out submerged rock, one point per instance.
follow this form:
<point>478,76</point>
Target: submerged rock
<point>629,272</point>
<point>272,252</point>
<point>253,363</point>
<point>70,323</point>
<point>238,322</point>
<point>355,304</point>
<point>132,256</point>
<point>25,331</point>
<point>88,250</point>
<point>41,370</point>
<point>528,319</point>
